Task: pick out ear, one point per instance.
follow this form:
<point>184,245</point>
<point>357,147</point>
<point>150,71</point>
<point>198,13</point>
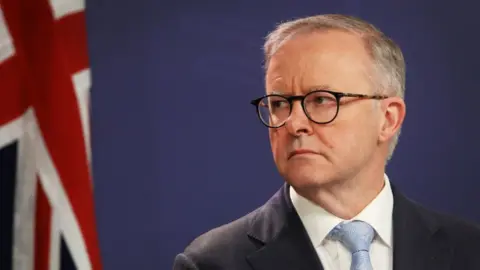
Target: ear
<point>394,111</point>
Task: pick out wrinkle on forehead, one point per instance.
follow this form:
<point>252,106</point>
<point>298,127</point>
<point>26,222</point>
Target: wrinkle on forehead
<point>318,58</point>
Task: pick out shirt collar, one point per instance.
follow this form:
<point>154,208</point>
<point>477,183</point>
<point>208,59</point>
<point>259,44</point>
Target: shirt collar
<point>318,222</point>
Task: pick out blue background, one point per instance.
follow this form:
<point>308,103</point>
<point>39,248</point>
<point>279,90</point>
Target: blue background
<point>175,138</point>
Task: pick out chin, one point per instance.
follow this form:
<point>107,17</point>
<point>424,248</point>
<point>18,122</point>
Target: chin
<point>306,175</point>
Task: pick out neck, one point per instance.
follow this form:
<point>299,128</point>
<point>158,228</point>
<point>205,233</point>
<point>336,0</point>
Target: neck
<point>347,198</point>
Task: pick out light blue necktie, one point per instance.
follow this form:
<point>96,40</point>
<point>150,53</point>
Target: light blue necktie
<point>357,237</point>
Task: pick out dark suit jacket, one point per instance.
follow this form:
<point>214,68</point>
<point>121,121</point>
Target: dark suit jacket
<point>273,238</point>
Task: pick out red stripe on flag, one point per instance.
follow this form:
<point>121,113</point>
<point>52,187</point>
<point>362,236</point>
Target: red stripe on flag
<point>13,102</point>
<point>43,226</point>
<point>71,34</point>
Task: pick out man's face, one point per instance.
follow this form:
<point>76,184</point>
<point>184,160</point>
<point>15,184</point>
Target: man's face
<point>330,60</point>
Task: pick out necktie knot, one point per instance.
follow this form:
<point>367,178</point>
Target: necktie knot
<point>355,236</point>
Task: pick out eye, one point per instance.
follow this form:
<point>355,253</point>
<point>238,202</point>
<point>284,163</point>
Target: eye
<point>321,98</point>
<point>278,103</point>
<point>275,102</point>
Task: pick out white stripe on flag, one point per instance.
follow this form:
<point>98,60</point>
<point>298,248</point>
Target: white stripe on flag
<point>25,205</point>
<point>54,262</point>
<point>63,8</point>
<point>6,45</point>
<point>81,84</point>
<point>58,198</point>
<point>11,131</point>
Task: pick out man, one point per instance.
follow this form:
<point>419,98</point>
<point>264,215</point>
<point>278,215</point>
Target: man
<point>334,108</point>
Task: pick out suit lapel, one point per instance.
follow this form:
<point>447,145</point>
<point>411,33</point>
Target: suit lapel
<point>418,240</point>
<point>285,243</point>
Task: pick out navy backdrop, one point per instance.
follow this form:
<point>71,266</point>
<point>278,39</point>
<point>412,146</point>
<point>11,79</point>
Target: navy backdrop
<point>177,148</point>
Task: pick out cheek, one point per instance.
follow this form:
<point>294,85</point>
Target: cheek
<point>277,143</point>
<point>353,139</point>
<point>326,135</point>
<point>339,139</point>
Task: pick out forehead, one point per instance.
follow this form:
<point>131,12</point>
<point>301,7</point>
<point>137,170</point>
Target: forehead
<point>333,58</point>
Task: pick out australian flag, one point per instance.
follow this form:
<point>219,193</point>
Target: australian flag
<point>46,191</point>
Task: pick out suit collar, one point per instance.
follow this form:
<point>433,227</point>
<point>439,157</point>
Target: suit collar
<point>273,217</point>
<point>285,242</point>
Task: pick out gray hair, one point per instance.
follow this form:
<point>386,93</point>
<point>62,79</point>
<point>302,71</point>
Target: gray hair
<point>387,58</point>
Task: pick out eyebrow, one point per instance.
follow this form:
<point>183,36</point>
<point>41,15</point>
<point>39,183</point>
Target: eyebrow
<point>309,89</point>
<point>276,93</point>
<point>320,87</point>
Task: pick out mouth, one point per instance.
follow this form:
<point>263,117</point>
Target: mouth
<point>301,152</point>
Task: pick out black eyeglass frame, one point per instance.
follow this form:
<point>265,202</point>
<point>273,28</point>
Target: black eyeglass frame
<point>338,96</point>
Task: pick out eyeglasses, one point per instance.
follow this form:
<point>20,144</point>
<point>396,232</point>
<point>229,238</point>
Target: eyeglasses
<point>320,106</point>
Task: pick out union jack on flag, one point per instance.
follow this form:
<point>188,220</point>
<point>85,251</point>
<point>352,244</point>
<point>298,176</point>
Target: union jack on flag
<point>46,192</point>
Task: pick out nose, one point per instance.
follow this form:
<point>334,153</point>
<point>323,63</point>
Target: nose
<point>298,123</point>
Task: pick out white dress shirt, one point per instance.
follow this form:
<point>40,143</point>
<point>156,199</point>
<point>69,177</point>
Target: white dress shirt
<point>333,255</point>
